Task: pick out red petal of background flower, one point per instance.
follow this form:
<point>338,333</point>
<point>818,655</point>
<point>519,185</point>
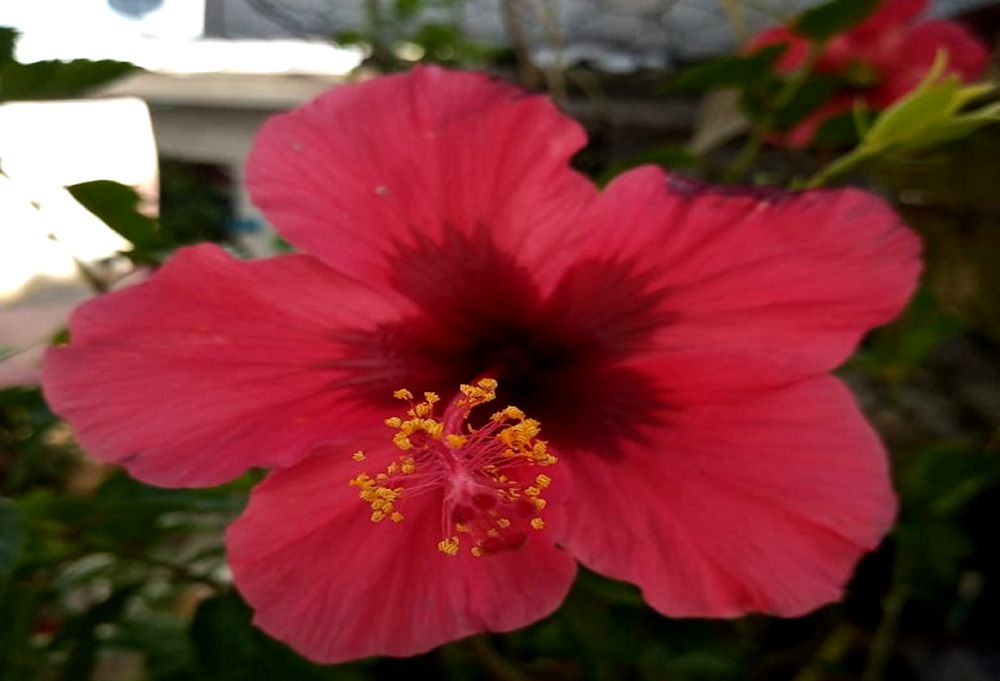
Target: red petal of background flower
<point>366,168</point>
<point>889,14</point>
<point>798,277</point>
<point>213,366</point>
<point>967,56</point>
<point>795,53</point>
<point>335,586</point>
<point>802,134</point>
<point>763,504</point>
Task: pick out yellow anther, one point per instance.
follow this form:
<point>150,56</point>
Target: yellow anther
<point>396,517</point>
<point>539,503</point>
<point>455,441</point>
<point>503,522</point>
<point>484,391</point>
<point>511,412</point>
<point>378,516</point>
<point>448,546</point>
<point>394,422</point>
<point>476,551</point>
<point>543,480</point>
<point>433,428</point>
<point>402,394</point>
<point>537,523</point>
<point>532,491</point>
<point>431,398</point>
<point>409,465</point>
<point>358,455</point>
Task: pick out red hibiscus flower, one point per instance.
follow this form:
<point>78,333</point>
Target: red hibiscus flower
<point>877,62</point>
<point>666,346</point>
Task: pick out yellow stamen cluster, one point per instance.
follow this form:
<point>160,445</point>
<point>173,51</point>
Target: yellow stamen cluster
<point>381,497</point>
<point>470,464</point>
<point>522,438</point>
<point>420,420</point>
<point>485,390</point>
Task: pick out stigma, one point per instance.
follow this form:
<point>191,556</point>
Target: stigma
<point>492,492</point>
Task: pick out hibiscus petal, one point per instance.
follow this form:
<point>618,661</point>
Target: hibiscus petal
<point>368,171</point>
<point>797,277</point>
<point>335,586</point>
<point>762,505</point>
<point>890,14</point>
<point>796,47</point>
<point>214,366</point>
<point>967,55</point>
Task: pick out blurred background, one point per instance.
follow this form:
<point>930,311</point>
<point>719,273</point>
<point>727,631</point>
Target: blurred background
<point>124,127</point>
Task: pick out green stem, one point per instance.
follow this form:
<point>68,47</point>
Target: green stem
<point>832,650</point>
<point>838,167</point>
<point>755,142</point>
<point>886,633</point>
<point>748,154</point>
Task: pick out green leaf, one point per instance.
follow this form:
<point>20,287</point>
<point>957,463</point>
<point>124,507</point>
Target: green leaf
<point>726,71</point>
<point>11,536</point>
<point>125,491</point>
<point>944,479</point>
<point>79,635</point>
<point>813,93</point>
<point>118,206</point>
<point>825,21</point>
<point>224,640</point>
<point>406,9</point>
<point>19,657</point>
<point>163,641</point>
<point>58,79</point>
<point>349,37</point>
<point>671,157</point>
<point>229,648</point>
<point>8,38</point>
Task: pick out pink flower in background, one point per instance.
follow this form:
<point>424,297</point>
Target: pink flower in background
<point>667,346</point>
<point>879,61</point>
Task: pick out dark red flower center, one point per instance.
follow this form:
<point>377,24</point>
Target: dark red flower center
<point>561,358</point>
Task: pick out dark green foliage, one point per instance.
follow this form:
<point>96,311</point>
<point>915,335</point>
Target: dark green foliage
<point>769,100</point>
<point>58,79</point>
<point>195,202</point>
<point>117,205</point>
<point>8,40</point>
<point>733,71</point>
<point>11,537</point>
<point>824,21</point>
<point>433,27</point>
<point>52,79</point>
<point>672,157</point>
